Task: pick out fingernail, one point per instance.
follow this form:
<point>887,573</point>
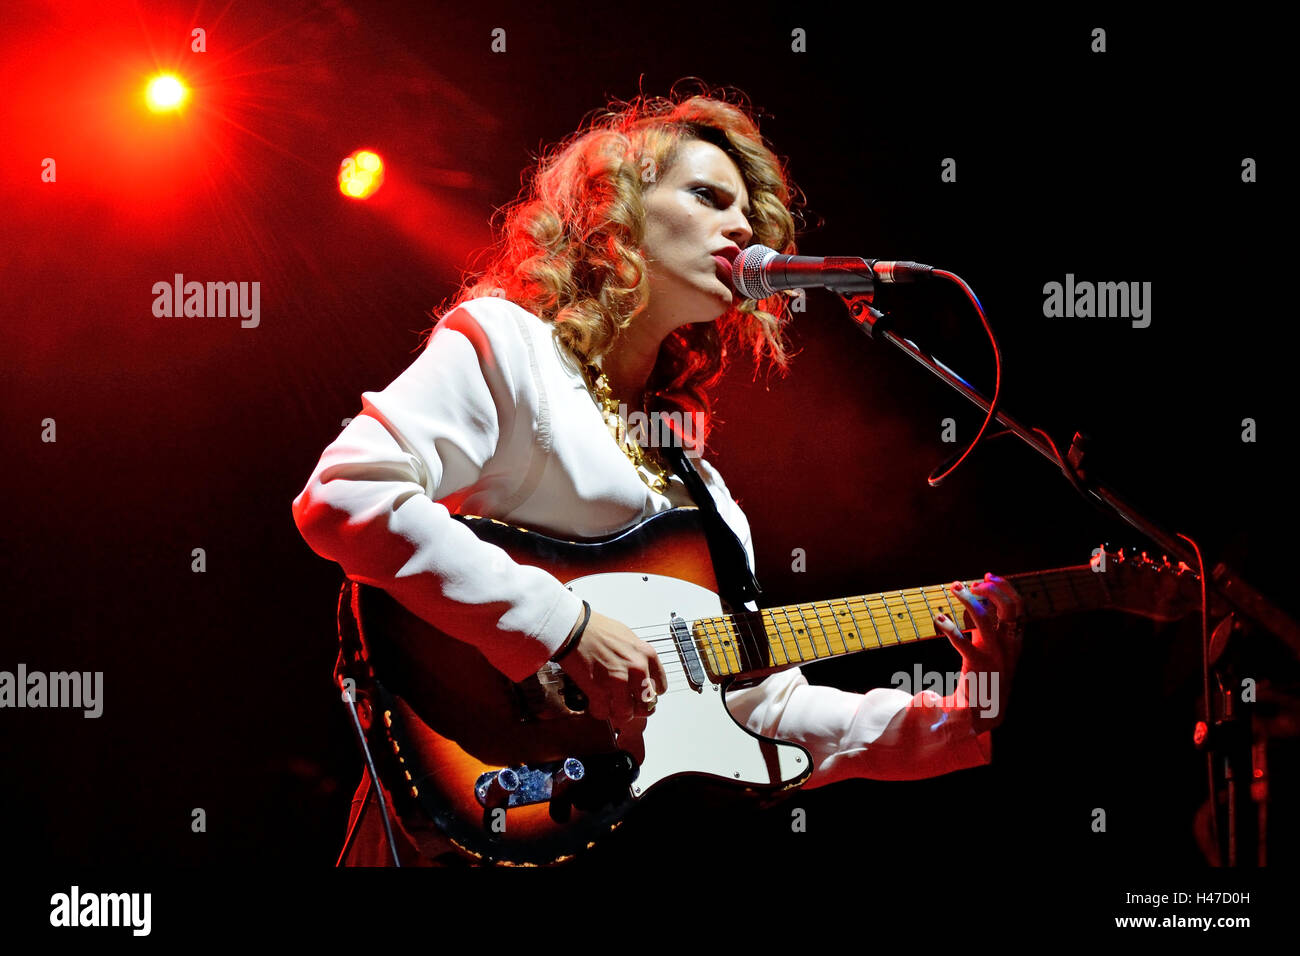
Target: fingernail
<point>940,617</point>
<point>958,586</point>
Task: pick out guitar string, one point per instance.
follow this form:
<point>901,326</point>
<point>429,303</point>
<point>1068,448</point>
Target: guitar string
<point>753,649</point>
<point>750,643</point>
<point>749,618</point>
<point>747,650</point>
<point>883,597</point>
<point>1046,579</point>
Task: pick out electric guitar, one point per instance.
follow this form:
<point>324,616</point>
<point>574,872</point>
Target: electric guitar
<point>520,774</point>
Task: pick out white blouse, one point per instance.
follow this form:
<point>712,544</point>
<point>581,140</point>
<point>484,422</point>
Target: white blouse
<point>494,418</point>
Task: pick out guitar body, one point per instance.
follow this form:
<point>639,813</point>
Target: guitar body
<point>520,774</point>
<point>451,722</point>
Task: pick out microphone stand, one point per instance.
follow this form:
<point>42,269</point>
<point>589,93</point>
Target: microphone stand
<point>1226,737</point>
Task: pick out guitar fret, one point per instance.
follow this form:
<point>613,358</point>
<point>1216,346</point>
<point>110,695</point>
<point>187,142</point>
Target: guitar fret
<point>813,630</point>
<point>879,612</point>
<point>1031,590</point>
<point>721,655</point>
<point>1047,595</point>
<point>706,646</point>
<point>952,609</point>
<point>794,633</point>
<point>821,622</point>
<point>919,602</point>
<point>812,640</point>
<point>865,610</point>
<point>822,630</point>
<point>773,626</point>
<point>870,619</point>
<point>916,631</point>
<point>937,597</point>
<point>1064,598</point>
<point>1088,581</point>
<point>1074,595</point>
<point>729,650</point>
<point>789,636</point>
<point>716,664</point>
<point>775,638</point>
<point>855,632</point>
<point>889,613</point>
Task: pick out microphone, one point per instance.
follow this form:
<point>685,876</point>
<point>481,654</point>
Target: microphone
<point>759,272</point>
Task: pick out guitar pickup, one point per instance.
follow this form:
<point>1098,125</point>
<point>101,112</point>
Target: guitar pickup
<point>687,651</point>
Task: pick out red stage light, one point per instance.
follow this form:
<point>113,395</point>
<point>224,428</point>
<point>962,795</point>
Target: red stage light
<point>165,92</point>
<point>361,174</point>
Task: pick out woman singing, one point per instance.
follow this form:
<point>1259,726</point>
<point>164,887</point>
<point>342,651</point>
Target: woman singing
<point>609,290</point>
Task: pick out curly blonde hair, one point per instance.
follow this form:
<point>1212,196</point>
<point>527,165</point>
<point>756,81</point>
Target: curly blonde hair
<point>569,247</point>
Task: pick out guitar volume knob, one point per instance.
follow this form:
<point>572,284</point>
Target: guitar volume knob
<point>505,783</point>
<point>569,773</point>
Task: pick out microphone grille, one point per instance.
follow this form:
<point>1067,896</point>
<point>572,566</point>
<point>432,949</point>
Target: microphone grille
<point>747,272</point>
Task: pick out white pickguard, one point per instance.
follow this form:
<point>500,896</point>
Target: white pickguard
<point>690,731</point>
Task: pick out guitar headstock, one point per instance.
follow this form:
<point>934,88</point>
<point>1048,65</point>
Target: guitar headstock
<point>1139,584</point>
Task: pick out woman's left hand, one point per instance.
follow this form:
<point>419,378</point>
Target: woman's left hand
<point>989,655</point>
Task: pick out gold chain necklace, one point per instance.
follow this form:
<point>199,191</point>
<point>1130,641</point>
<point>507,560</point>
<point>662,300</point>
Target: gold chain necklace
<point>648,470</point>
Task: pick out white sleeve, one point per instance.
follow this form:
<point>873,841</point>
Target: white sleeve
<point>374,501</point>
<point>884,734</point>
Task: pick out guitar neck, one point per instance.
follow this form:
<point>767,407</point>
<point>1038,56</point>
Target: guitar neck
<point>754,643</point>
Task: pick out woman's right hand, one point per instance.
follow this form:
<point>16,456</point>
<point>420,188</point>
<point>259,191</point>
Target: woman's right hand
<point>620,673</point>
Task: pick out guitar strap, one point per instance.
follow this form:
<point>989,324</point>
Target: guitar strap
<point>736,582</point>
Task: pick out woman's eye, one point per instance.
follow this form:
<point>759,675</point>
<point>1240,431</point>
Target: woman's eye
<point>705,194</point>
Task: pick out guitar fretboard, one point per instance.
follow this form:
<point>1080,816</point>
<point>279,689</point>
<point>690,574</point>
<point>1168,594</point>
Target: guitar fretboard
<point>753,643</point>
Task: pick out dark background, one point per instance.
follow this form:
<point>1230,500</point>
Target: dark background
<point>181,433</point>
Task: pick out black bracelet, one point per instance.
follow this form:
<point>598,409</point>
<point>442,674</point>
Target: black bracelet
<point>575,637</point>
